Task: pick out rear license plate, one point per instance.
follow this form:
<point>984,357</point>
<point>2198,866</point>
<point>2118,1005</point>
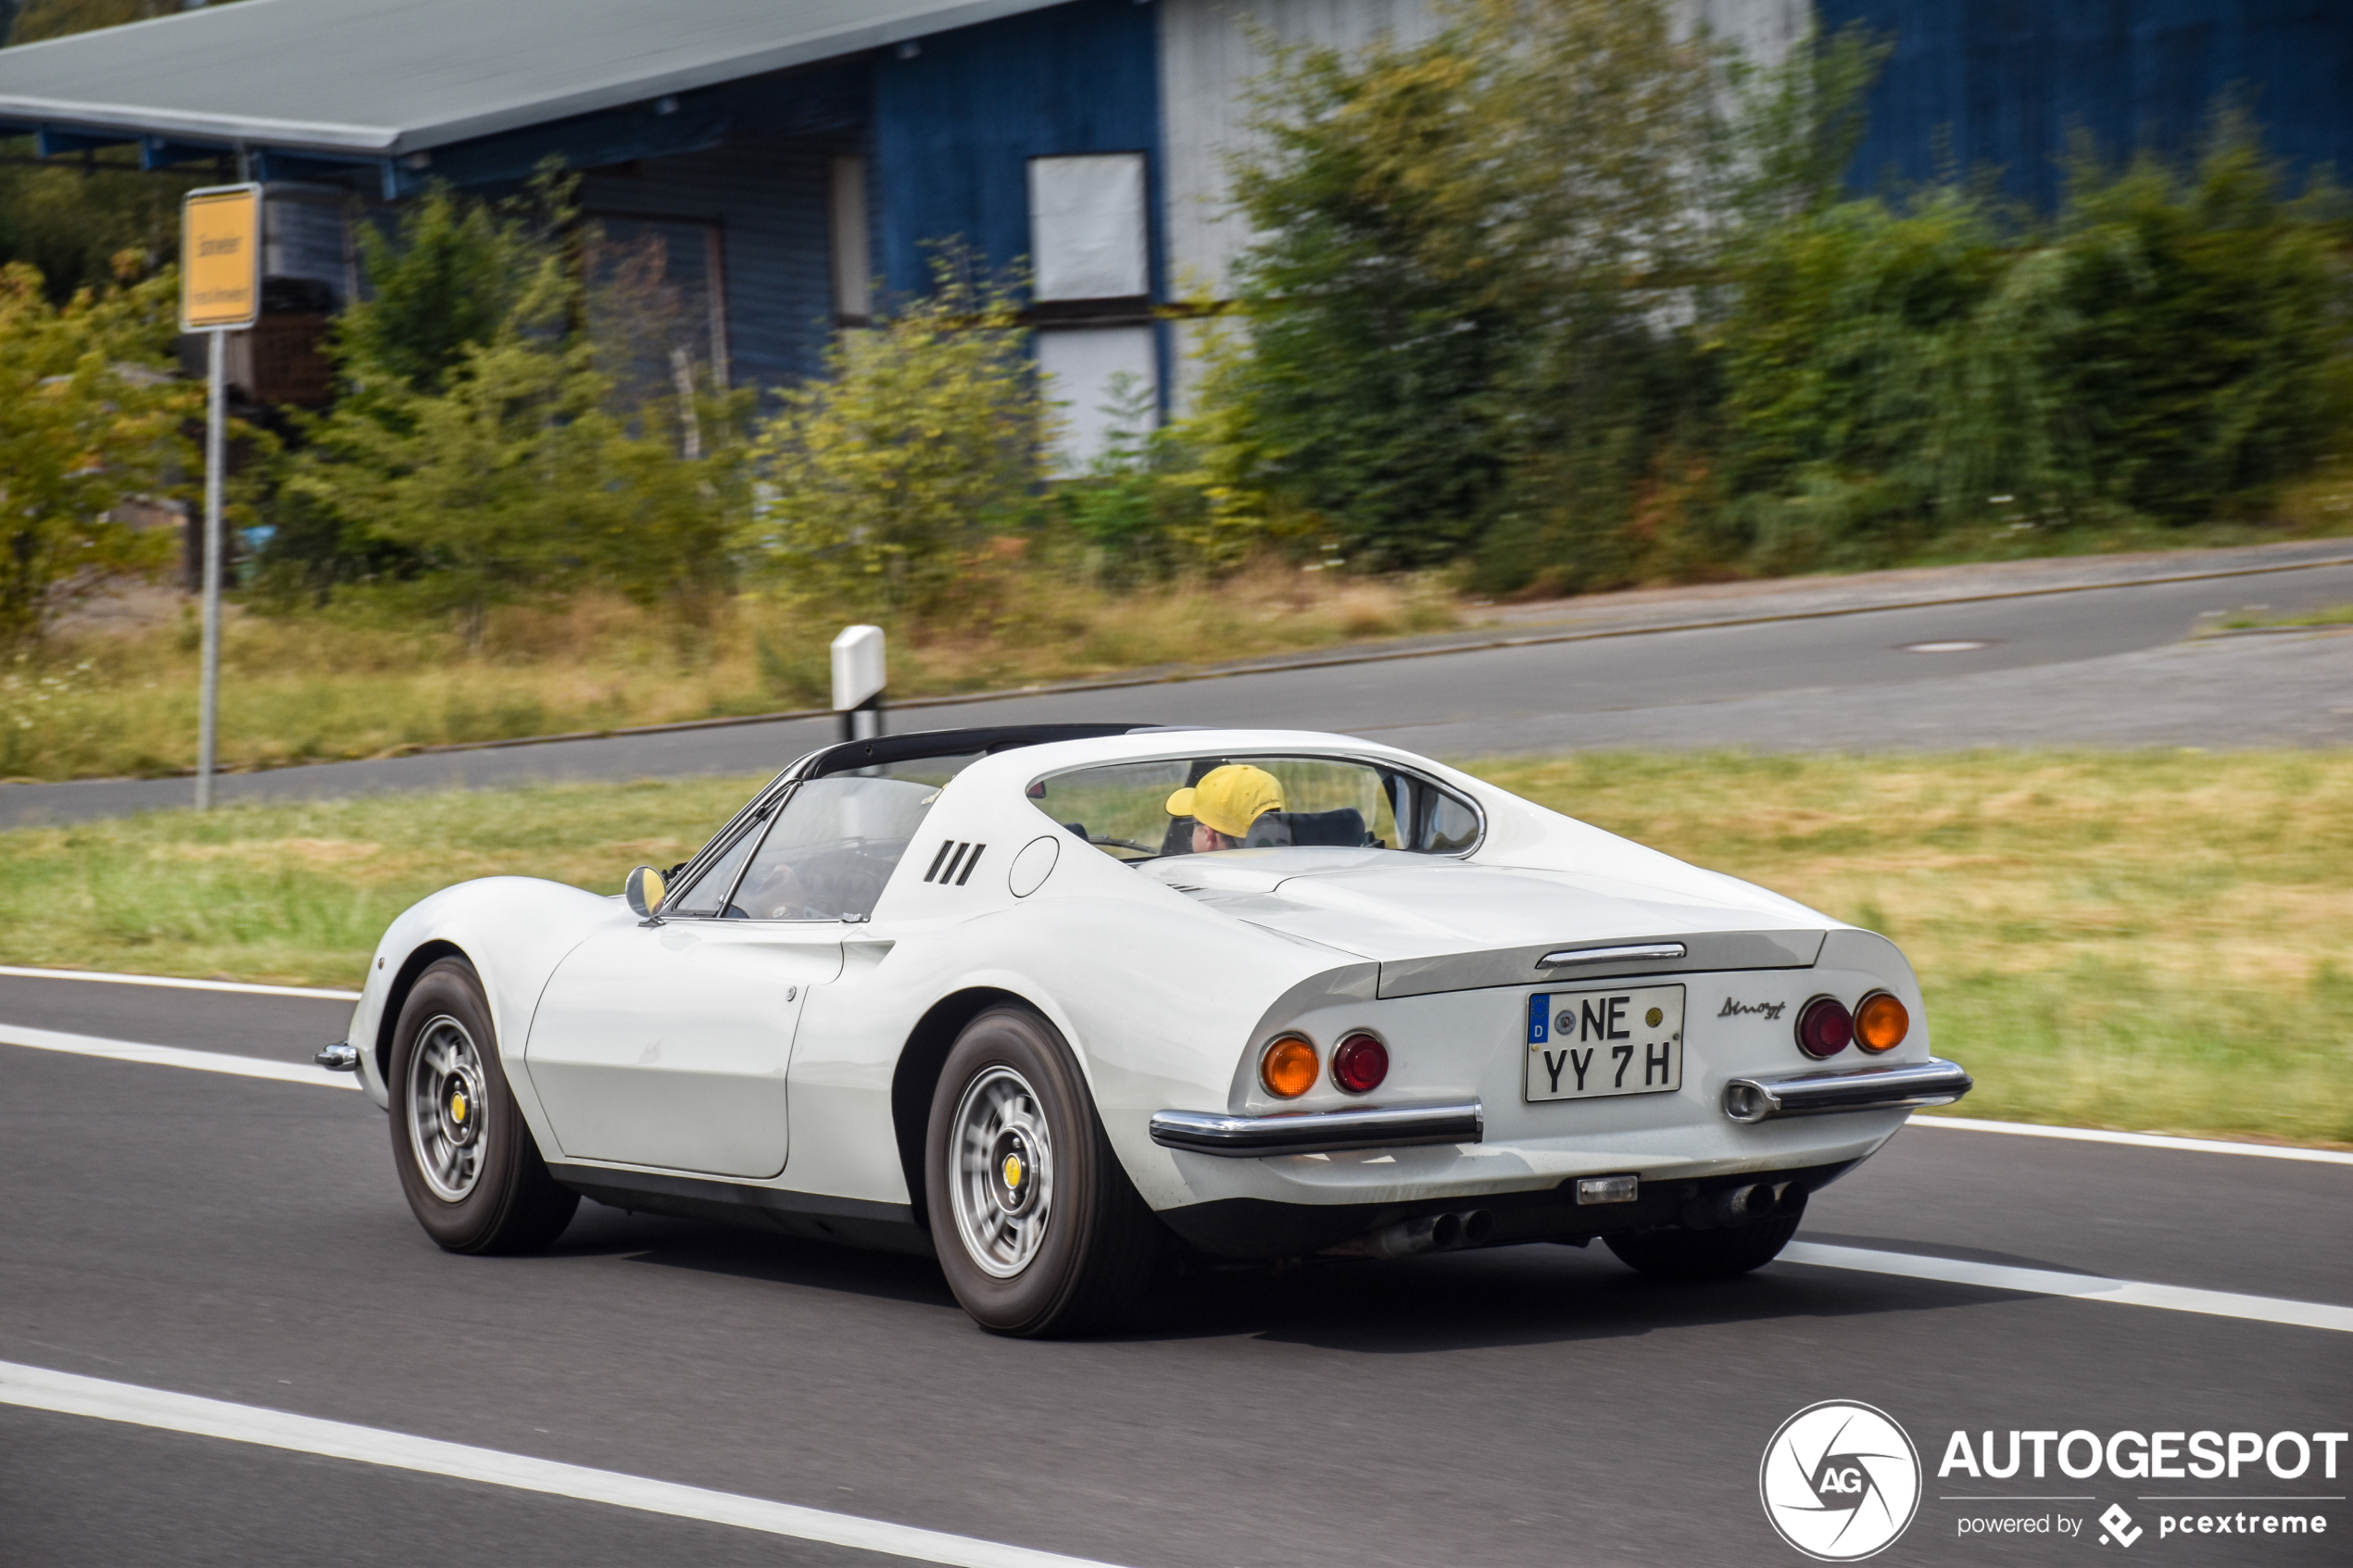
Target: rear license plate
<point>1584,1045</point>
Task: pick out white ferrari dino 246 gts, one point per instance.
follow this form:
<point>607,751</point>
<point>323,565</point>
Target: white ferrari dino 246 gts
<point>1053,1003</point>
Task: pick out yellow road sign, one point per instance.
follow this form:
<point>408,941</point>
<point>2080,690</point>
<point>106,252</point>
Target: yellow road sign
<point>220,258</point>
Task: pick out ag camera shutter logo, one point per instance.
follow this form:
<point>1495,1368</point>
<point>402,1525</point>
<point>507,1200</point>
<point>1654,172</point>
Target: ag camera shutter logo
<point>1840,1481</point>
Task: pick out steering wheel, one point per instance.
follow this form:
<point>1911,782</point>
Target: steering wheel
<point>1124,843</point>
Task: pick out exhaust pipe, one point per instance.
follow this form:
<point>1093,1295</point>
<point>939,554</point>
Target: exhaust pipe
<point>1431,1232</point>
<point>1748,1205</point>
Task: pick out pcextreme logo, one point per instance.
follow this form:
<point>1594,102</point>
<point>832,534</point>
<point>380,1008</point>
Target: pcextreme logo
<point>1840,1481</point>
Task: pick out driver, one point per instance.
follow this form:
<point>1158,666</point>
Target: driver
<point>1225,804</point>
<point>772,890</point>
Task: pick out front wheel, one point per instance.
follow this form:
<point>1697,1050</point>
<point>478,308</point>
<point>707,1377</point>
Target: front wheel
<point>1687,1254</point>
<point>1037,1228</point>
<point>471,1173</point>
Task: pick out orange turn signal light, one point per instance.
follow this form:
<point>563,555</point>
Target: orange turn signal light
<point>1289,1069</point>
<point>1880,1023</point>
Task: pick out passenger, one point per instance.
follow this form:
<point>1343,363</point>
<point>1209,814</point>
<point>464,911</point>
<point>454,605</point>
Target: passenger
<point>1225,804</point>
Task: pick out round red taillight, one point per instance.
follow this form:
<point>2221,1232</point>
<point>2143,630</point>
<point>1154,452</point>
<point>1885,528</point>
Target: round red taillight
<point>1825,1027</point>
<point>1359,1063</point>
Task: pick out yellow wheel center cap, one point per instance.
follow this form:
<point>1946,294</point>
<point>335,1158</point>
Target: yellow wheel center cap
<point>458,1106</point>
<point>1012,1171</point>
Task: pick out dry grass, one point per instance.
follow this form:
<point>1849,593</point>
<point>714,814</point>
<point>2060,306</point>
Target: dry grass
<point>368,679</point>
<point>2154,941</point>
<point>2148,940</point>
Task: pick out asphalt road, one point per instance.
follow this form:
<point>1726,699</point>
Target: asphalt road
<point>243,1240</point>
<point>2107,666</point>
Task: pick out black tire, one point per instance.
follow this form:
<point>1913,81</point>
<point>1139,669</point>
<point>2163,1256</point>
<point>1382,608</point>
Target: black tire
<point>486,1190</point>
<point>1086,1244</point>
<point>1687,1254</point>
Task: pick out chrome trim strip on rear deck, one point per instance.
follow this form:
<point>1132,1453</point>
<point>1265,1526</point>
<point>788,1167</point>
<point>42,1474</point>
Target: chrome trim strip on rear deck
<point>1318,1132</point>
<point>1635,953</point>
<point>1933,1082</point>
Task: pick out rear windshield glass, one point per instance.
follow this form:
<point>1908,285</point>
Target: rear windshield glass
<point>1208,805</point>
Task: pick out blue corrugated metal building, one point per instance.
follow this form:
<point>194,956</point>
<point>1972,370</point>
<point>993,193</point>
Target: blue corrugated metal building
<point>2006,83</point>
<point>776,157</point>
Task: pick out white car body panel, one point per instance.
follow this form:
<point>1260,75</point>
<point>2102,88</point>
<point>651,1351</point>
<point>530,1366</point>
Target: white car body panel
<point>667,1046</point>
<point>764,1052</point>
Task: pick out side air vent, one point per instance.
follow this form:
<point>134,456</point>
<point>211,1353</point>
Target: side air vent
<point>954,862</point>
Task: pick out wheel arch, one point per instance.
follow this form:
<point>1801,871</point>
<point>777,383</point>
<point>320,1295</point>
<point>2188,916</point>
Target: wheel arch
<point>419,959</point>
<point>917,1074</point>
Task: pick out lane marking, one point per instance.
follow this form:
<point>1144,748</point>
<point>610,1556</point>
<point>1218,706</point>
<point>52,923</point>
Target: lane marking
<point>2137,1140</point>
<point>2090,1288</point>
<point>70,1393</point>
<point>175,1056</point>
<point>250,989</point>
<point>262,1067</point>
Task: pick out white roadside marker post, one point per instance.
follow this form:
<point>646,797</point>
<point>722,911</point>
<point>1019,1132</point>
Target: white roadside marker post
<point>220,293</point>
<point>858,681</point>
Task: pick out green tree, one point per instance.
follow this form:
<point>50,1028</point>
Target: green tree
<point>489,450</point>
<point>71,217</point>
<point>1472,312</point>
<point>877,479</point>
<point>87,420</point>
<point>455,274</point>
<point>2208,356</point>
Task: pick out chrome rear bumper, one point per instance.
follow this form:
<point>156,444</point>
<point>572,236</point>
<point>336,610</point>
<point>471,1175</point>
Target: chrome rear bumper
<point>1318,1132</point>
<point>1933,1082</point>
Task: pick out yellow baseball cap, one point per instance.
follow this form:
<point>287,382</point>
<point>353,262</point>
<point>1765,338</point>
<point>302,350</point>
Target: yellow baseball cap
<point>1229,798</point>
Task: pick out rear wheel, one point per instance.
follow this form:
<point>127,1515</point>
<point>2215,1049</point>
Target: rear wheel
<point>1687,1254</point>
<point>1037,1228</point>
<point>471,1173</point>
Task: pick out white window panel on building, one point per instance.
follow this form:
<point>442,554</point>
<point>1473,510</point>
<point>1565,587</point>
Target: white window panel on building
<point>1083,367</point>
<point>852,257</point>
<point>1088,231</point>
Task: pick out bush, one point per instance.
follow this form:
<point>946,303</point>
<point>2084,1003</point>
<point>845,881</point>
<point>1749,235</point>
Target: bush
<point>87,421</point>
<point>477,448</point>
<point>922,440</point>
<point>2207,357</point>
<point>1583,299</point>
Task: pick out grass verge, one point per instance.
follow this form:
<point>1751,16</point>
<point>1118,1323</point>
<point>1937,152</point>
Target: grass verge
<point>2153,941</point>
<point>370,677</point>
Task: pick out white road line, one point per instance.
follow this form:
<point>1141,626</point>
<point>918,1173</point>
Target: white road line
<point>2045,1282</point>
<point>175,1056</point>
<point>183,985</point>
<point>2138,1140</point>
<point>40,1389</point>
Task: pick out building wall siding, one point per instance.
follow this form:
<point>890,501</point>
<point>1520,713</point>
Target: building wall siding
<point>1207,59</point>
<point>768,196</point>
<point>2005,82</point>
<point>956,124</point>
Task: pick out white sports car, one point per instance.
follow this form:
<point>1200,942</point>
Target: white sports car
<point>1053,1003</point>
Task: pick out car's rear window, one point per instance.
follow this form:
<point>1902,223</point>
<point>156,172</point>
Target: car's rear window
<point>1209,805</point>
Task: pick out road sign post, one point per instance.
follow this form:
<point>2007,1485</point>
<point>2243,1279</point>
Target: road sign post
<point>858,681</point>
<point>220,293</point>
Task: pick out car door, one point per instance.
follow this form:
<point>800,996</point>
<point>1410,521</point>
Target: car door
<point>667,1044</point>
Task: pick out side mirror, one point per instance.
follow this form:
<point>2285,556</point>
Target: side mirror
<point>644,891</point>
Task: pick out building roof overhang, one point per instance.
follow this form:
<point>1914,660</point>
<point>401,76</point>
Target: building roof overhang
<point>383,81</point>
